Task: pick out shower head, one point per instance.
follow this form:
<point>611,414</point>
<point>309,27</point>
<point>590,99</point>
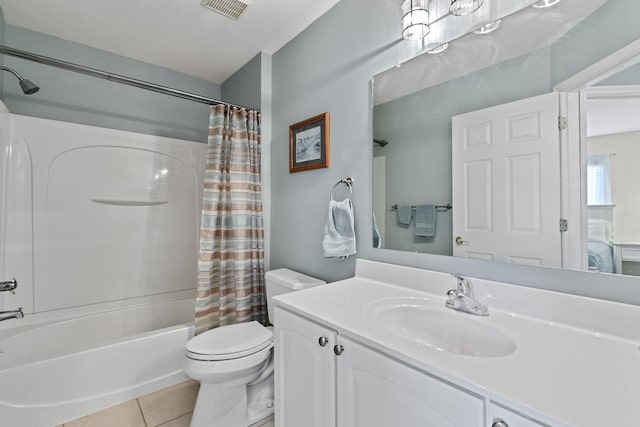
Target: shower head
<point>28,87</point>
<point>380,142</point>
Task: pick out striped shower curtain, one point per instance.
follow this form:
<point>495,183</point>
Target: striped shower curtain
<point>231,258</point>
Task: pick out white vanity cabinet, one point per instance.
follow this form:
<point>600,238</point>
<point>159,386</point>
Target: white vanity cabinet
<point>305,379</point>
<point>502,417</point>
<point>345,384</point>
<point>377,391</point>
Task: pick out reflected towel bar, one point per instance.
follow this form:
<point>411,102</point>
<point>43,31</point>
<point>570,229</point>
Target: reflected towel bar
<point>439,207</point>
<point>118,202</point>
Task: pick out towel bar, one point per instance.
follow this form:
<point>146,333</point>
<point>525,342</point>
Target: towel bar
<point>440,207</point>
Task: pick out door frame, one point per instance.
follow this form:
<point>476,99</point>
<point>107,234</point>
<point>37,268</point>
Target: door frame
<point>573,145</point>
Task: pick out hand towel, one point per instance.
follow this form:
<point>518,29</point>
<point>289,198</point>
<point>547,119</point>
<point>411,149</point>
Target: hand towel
<point>339,239</point>
<point>425,220</point>
<point>404,214</point>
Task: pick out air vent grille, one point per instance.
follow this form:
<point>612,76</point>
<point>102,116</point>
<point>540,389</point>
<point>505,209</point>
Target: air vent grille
<point>229,8</point>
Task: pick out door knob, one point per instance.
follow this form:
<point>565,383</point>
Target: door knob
<point>460,240</point>
<point>323,341</point>
<point>338,349</point>
<point>499,423</point>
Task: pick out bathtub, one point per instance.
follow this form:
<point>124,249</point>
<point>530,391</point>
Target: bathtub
<point>55,371</point>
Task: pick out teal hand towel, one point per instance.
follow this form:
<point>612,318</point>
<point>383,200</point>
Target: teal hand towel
<point>404,214</point>
<point>425,220</point>
<point>339,237</point>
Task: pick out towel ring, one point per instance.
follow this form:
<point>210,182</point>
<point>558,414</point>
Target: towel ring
<point>348,182</point>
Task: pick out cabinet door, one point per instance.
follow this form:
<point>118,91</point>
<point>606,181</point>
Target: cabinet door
<point>509,418</point>
<point>305,378</point>
<point>376,391</point>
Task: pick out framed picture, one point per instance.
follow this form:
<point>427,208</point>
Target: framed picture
<point>309,144</point>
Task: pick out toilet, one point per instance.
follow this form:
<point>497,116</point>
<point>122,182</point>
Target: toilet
<point>234,363</point>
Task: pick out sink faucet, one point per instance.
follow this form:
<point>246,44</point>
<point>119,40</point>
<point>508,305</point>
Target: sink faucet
<point>462,298</point>
<point>12,314</point>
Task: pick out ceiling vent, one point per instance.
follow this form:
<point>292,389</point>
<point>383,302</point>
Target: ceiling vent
<point>229,8</point>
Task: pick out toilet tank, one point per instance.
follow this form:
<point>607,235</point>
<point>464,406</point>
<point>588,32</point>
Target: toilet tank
<point>283,280</point>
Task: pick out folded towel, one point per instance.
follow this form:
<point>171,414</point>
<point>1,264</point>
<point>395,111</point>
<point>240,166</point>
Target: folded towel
<point>339,239</point>
<point>377,240</point>
<point>425,220</point>
<point>404,214</point>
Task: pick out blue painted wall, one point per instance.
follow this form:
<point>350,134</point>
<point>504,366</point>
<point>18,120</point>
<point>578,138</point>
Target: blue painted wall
<point>244,87</point>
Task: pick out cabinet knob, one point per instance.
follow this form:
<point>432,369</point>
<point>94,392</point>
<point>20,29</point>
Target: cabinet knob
<point>323,341</point>
<point>497,422</point>
<point>338,349</point>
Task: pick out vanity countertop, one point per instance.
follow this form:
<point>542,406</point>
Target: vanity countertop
<point>576,362</point>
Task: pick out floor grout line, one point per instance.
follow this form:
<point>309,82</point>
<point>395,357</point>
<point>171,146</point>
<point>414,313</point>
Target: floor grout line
<point>173,419</point>
<point>144,419</point>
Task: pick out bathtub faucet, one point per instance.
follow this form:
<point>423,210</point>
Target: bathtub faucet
<point>12,314</point>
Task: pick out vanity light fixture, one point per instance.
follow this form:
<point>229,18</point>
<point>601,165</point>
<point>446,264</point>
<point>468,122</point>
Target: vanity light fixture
<point>488,28</point>
<point>438,49</point>
<point>415,19</point>
<point>464,7</point>
<point>541,4</point>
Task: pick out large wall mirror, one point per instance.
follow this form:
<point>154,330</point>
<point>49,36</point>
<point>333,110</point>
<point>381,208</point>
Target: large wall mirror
<point>473,156</point>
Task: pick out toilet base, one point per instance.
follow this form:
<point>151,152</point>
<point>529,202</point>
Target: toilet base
<point>220,407</point>
<point>260,399</point>
<point>230,407</point>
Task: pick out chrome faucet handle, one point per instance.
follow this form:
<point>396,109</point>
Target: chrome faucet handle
<point>9,285</point>
<point>463,299</point>
<point>463,285</point>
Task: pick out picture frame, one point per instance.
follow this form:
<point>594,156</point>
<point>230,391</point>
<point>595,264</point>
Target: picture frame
<point>309,144</point>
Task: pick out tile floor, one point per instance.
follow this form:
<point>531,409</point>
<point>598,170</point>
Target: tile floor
<point>169,407</point>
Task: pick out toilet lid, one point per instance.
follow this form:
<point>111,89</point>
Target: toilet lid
<point>231,341</point>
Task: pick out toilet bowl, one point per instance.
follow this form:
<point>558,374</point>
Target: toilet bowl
<point>234,364</point>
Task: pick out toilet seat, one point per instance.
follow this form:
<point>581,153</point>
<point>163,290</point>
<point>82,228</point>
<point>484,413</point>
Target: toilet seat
<point>230,342</point>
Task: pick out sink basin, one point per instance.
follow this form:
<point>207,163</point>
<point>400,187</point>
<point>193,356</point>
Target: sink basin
<point>424,322</point>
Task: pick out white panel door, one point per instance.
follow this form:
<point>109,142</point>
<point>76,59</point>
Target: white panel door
<point>506,183</point>
<point>305,378</point>
<point>377,391</point>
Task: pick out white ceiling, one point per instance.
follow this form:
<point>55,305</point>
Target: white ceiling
<point>177,34</point>
<point>612,110</point>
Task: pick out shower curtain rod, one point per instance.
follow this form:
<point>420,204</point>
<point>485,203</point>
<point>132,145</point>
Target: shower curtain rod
<point>117,78</point>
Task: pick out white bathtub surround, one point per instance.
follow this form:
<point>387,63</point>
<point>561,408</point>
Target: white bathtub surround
<point>74,193</point>
<point>575,361</point>
<point>100,229</point>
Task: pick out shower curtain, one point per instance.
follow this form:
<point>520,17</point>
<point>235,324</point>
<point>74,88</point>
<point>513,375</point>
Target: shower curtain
<point>231,258</point>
